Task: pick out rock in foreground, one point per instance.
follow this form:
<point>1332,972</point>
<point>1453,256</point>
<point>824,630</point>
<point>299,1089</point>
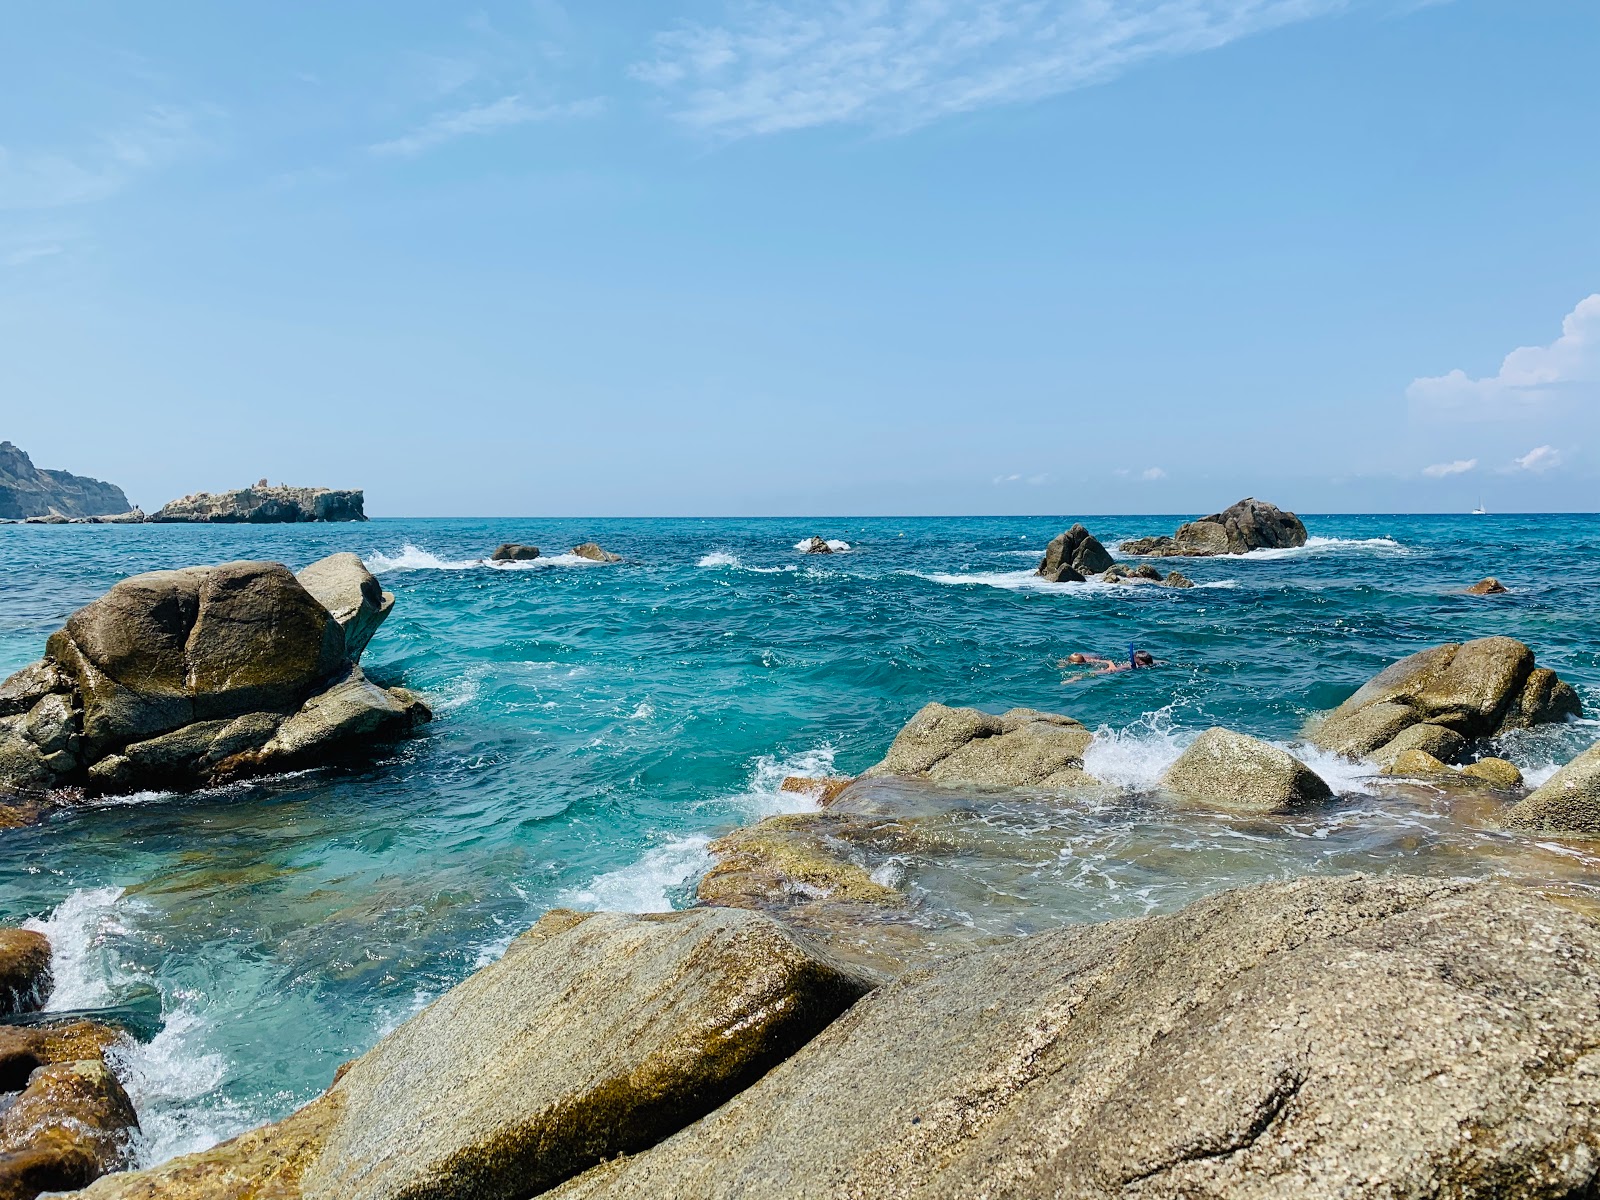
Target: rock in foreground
<point>30,491</point>
<point>965,747</point>
<point>25,978</point>
<point>1074,555</point>
<point>1352,1038</point>
<point>1250,524</point>
<point>596,1034</point>
<point>1228,770</point>
<point>184,678</point>
<point>1568,802</point>
<point>263,504</point>
<point>1471,690</point>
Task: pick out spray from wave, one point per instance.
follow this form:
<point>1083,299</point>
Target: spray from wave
<point>834,544</point>
<point>414,558</point>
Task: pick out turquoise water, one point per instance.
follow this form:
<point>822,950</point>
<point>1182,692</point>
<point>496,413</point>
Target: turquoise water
<point>595,725</point>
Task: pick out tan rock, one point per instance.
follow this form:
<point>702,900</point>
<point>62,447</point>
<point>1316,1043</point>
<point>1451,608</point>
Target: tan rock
<point>1418,764</point>
<point>1487,587</point>
<point>824,790</point>
<point>1443,744</point>
<point>595,553</point>
<point>1496,772</point>
<point>965,747</point>
<point>1223,769</point>
<point>69,1126</point>
<point>352,595</point>
<point>24,971</point>
<point>1568,802</point>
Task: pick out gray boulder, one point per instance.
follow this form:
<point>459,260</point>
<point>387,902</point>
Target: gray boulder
<point>1473,689</point>
<point>596,1035</point>
<point>1228,770</point>
<point>1073,555</point>
<point>1568,802</point>
<point>514,552</point>
<point>1250,524</point>
<point>965,747</point>
<point>353,712</point>
<point>262,504</point>
<point>342,584</point>
<point>1349,1038</point>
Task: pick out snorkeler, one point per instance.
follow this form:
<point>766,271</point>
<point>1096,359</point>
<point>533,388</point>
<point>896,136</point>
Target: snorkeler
<point>1136,660</point>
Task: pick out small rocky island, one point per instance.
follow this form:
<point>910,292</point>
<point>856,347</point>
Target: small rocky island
<point>27,491</point>
<point>1250,524</point>
<point>266,504</point>
<point>179,679</point>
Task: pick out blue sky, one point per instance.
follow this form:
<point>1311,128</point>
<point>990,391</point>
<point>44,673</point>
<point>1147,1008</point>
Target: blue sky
<point>866,256</point>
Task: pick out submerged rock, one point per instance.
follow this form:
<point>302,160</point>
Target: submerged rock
<point>181,678</point>
<point>27,491</point>
<point>1567,802</point>
<point>1352,1038</point>
<point>1228,770</point>
<point>1073,555</point>
<point>784,859</point>
<point>514,552</point>
<point>1472,689</point>
<point>824,790</point>
<point>1487,587</point>
<point>25,979</point>
<point>594,553</point>
<point>962,746</point>
<point>596,1035</point>
<point>262,504</point>
<point>1250,524</point>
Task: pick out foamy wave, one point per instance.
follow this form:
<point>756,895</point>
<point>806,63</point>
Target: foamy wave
<point>648,884</point>
<point>834,544</point>
<point>82,965</point>
<point>719,558</point>
<point>1324,545</point>
<point>763,797</point>
<point>414,558</point>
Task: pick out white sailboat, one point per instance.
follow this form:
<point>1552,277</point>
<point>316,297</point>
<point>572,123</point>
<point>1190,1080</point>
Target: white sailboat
<point>1480,511</point>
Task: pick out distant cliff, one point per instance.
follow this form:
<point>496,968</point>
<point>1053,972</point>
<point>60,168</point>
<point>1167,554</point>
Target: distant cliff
<point>262,504</point>
<point>30,491</point>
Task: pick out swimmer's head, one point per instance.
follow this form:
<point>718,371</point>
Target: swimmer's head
<point>1076,659</point>
<point>1144,659</point>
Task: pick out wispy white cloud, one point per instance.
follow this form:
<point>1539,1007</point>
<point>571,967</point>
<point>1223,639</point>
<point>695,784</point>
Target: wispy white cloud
<point>1459,467</point>
<point>53,178</point>
<point>483,118</point>
<point>1540,458</point>
<point>777,65</point>
<point>1152,473</point>
<point>1529,379</point>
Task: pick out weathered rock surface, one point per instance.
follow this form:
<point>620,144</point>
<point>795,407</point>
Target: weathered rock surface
<point>69,1126</point>
<point>596,1034</point>
<point>24,971</point>
<point>262,504</point>
<point>1352,1038</point>
<point>514,552</point>
<point>965,747</point>
<point>1496,772</point>
<point>825,789</point>
<point>1568,802</point>
<point>1488,587</point>
<point>816,545</point>
<point>24,1049</point>
<point>1435,740</point>
<point>1145,573</point>
<point>1228,770</point>
<point>595,553</point>
<point>1073,555</point>
<point>1418,764</point>
<point>30,491</point>
<point>181,678</point>
<point>1250,524</point>
<point>1473,689</point>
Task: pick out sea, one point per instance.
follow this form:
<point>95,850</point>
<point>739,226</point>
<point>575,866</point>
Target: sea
<point>597,726</point>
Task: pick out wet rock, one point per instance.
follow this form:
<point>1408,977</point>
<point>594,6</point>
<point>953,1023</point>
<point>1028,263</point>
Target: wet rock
<point>186,757</point>
<point>353,596</point>
<point>1418,764</point>
<point>25,688</point>
<point>596,1035</point>
<point>784,859</point>
<point>24,1049</point>
<point>824,790</point>
<point>1351,1038</point>
<point>1496,772</point>
<point>1228,770</point>
<point>815,545</point>
<point>1567,802</point>
<point>514,552</point>
<point>1487,587</point>
<point>263,504</point>
<point>1443,744</point>
<point>1074,555</point>
<point>134,516</point>
<point>1176,580</point>
<point>965,747</point>
<point>353,712</point>
<point>69,1126</point>
<point>1475,689</point>
<point>594,553</point>
<point>1250,524</point>
<point>24,971</point>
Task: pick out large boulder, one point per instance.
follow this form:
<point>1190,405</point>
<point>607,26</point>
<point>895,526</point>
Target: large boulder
<point>1567,802</point>
<point>69,1126</point>
<point>595,1035</point>
<point>966,747</point>
<point>1250,524</point>
<point>1223,769</point>
<point>1472,689</point>
<point>1073,555</point>
<point>263,504</point>
<point>514,552</point>
<point>594,552</point>
<point>354,712</point>
<point>1351,1038</point>
<point>24,971</point>
<point>26,1048</point>
<point>342,584</point>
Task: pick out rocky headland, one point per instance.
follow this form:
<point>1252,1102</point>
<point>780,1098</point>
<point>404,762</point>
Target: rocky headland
<point>179,679</point>
<point>27,491</point>
<point>1250,524</point>
<point>265,504</point>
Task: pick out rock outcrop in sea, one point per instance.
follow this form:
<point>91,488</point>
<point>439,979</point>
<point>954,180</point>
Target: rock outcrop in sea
<point>594,552</point>
<point>966,747</point>
<point>1345,1037</point>
<point>1444,699</point>
<point>1567,802</point>
<point>30,491</point>
<point>1250,524</point>
<point>264,504</point>
<point>184,678</point>
<point>1073,556</point>
<point>514,552</point>
<point>1223,769</point>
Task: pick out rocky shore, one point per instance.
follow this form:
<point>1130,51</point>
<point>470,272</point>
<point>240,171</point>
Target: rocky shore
<point>28,492</point>
<point>264,504</point>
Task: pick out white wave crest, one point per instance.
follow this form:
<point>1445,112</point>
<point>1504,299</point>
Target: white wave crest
<point>84,969</point>
<point>1136,757</point>
<point>646,885</point>
<point>1325,545</point>
<point>173,1081</point>
<point>719,558</point>
<point>414,558</point>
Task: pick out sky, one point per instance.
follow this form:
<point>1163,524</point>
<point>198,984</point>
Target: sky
<point>746,257</point>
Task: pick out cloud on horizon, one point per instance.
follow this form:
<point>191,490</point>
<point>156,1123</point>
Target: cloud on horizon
<point>1530,378</point>
<point>1540,458</point>
<point>482,118</point>
<point>899,64</point>
<point>1459,467</point>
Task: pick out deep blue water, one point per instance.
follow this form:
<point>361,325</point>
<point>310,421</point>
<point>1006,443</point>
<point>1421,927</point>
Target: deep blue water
<point>595,724</point>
